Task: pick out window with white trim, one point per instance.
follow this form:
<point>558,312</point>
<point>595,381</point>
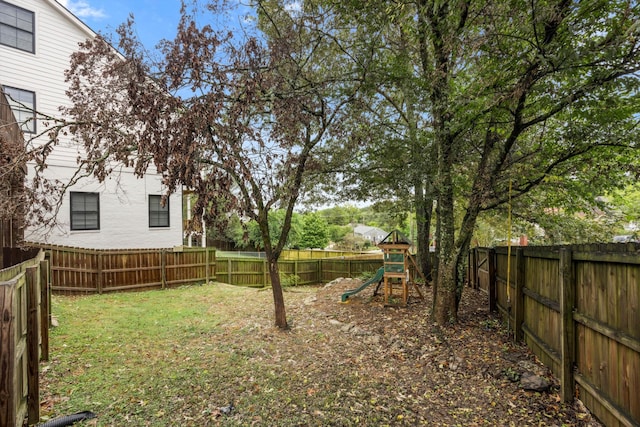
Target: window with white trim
<point>85,211</point>
<point>23,106</point>
<point>17,27</point>
<point>158,214</point>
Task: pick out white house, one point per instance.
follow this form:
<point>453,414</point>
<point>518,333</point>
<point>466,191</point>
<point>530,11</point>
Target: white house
<point>37,38</point>
<point>373,234</point>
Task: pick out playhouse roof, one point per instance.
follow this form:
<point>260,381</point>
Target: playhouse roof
<point>395,237</point>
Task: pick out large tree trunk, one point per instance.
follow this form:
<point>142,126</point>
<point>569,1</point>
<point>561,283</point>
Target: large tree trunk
<point>278,297</point>
<point>445,295</point>
<point>445,298</point>
<point>273,254</point>
<point>424,212</point>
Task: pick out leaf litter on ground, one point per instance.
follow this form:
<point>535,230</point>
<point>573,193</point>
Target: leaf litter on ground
<point>209,355</point>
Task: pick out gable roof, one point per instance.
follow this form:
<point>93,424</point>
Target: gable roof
<point>396,237</point>
<point>365,230</point>
<point>72,18</point>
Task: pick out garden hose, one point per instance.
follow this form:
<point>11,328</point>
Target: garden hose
<point>69,419</point>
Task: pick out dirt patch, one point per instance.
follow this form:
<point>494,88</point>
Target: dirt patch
<point>415,372</point>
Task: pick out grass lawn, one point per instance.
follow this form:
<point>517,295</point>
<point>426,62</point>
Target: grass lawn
<point>174,357</point>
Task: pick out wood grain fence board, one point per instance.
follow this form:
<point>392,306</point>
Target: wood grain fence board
<point>567,325</point>
<point>32,343</point>
<point>518,304</point>
<point>8,398</point>
<point>491,279</point>
<point>14,325</point>
<point>614,366</point>
<point>21,340</point>
<point>44,309</point>
<point>547,355</point>
<point>119,270</point>
<point>607,412</point>
<point>603,282</point>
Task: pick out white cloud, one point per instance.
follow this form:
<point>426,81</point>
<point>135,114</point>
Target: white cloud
<point>83,9</point>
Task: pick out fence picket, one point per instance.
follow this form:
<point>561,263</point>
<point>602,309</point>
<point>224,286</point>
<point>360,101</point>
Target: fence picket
<point>580,316</point>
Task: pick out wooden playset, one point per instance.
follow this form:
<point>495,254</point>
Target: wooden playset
<point>397,274</point>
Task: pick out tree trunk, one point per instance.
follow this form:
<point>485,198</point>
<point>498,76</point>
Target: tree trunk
<point>274,271</point>
<point>424,212</point>
<point>445,296</point>
<point>278,297</point>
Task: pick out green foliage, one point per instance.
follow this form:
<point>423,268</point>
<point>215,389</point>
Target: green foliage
<point>314,232</point>
<point>276,221</point>
<point>337,233</point>
<point>626,201</point>
<point>352,242</point>
<point>288,280</point>
<point>340,215</point>
<point>513,95</point>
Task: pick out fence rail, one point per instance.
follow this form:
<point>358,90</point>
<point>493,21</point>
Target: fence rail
<point>24,338</point>
<point>76,270</point>
<point>254,272</point>
<point>578,309</point>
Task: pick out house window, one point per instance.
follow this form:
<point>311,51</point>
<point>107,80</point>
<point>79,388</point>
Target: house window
<point>85,211</point>
<point>16,27</point>
<point>158,214</point>
<point>23,106</point>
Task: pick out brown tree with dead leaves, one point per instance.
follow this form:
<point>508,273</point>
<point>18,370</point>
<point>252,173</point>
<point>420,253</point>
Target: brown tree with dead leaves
<point>240,121</point>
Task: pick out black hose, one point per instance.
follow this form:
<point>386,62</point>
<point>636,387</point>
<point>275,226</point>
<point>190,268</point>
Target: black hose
<point>69,419</point>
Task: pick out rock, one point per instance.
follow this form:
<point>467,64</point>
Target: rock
<point>333,282</point>
<point>359,331</point>
<point>347,327</point>
<point>335,322</point>
<point>310,300</point>
<point>527,366</point>
<point>533,382</point>
<point>372,339</point>
<point>54,322</point>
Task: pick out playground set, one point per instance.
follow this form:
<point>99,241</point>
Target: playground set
<point>395,273</point>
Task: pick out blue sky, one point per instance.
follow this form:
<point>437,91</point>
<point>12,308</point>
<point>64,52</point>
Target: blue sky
<point>154,19</point>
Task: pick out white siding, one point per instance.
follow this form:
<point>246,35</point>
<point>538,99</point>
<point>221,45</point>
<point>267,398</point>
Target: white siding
<point>123,199</point>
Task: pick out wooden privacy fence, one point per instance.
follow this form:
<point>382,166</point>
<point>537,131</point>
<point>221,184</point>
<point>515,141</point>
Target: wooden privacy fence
<point>75,270</point>
<point>291,254</point>
<point>254,272</point>
<point>578,309</point>
<point>24,338</point>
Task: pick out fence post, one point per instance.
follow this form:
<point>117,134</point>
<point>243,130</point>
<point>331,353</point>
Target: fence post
<point>567,326</point>
<point>206,266</point>
<point>471,269</point>
<point>493,293</point>
<point>264,272</point>
<point>100,268</point>
<point>8,398</point>
<point>44,310</point>
<point>163,268</point>
<point>518,303</point>
<point>476,267</point>
<point>33,336</point>
<point>229,271</point>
